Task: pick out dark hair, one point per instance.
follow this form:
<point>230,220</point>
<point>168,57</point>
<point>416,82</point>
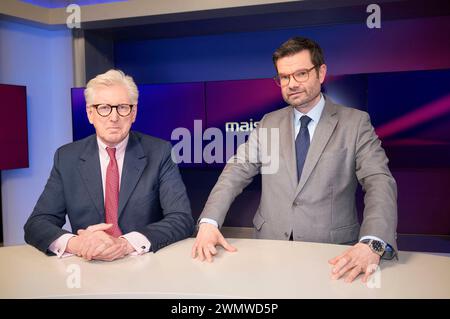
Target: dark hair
<point>295,45</point>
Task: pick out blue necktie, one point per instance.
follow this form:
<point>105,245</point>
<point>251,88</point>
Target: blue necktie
<point>302,144</point>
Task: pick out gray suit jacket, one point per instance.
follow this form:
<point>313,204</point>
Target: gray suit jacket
<point>152,198</point>
<point>320,207</point>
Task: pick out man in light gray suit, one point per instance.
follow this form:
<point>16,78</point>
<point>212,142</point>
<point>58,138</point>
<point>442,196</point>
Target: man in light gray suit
<point>324,150</point>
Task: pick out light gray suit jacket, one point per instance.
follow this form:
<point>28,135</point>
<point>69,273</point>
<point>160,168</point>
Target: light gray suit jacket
<point>320,207</point>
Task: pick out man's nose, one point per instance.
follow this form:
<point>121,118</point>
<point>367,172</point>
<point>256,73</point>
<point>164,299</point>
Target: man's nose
<point>114,116</point>
<point>293,84</point>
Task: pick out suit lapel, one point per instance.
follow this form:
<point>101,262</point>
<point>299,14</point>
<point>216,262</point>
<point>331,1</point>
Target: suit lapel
<point>322,134</point>
<point>134,163</point>
<point>288,145</point>
<point>89,167</point>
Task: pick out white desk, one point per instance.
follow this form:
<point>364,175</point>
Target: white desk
<point>260,269</point>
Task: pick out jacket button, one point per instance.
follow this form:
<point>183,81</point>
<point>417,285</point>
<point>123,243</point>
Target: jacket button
<point>286,234</point>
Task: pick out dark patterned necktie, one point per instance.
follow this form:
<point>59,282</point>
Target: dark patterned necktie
<point>302,144</point>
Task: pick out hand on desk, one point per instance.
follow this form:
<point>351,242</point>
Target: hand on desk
<point>95,243</point>
<point>205,243</point>
<point>355,260</point>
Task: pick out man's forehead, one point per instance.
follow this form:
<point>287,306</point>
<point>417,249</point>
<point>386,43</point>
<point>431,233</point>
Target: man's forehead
<point>109,88</point>
<point>115,93</point>
<point>291,63</point>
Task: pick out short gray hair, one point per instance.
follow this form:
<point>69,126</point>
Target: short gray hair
<point>110,78</point>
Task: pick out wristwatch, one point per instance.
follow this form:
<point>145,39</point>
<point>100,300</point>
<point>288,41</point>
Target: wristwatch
<point>378,247</point>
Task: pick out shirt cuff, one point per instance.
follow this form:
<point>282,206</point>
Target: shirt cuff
<point>388,247</point>
<point>209,221</point>
<point>58,247</point>
<point>139,242</point>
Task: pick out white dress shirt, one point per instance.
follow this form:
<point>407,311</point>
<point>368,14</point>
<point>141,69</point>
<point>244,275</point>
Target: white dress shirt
<point>139,242</point>
<point>314,114</point>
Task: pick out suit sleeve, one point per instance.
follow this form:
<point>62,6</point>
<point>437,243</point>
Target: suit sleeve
<point>237,174</point>
<point>380,198</point>
<point>44,225</point>
<point>177,222</point>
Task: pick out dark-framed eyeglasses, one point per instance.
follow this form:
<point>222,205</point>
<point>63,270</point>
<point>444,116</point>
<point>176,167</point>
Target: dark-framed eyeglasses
<point>106,109</point>
<point>300,76</point>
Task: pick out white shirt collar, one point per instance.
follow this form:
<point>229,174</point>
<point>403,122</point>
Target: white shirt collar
<point>120,148</point>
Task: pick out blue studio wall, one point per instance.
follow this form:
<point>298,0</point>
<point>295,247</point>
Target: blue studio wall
<point>401,45</point>
<point>42,61</point>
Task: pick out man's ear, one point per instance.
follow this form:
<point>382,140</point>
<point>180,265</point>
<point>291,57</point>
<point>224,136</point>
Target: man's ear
<point>135,109</point>
<point>322,72</point>
<point>89,114</point>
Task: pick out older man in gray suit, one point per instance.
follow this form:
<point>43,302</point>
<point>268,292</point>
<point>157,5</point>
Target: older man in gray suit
<point>324,150</point>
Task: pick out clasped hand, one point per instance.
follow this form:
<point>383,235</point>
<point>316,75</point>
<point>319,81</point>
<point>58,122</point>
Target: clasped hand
<point>94,243</point>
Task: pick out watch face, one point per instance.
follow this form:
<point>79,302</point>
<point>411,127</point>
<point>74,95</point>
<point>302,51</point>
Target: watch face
<point>377,246</point>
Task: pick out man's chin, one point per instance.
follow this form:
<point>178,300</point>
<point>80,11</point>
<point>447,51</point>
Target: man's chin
<point>301,103</point>
<point>113,138</point>
<point>298,103</point>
